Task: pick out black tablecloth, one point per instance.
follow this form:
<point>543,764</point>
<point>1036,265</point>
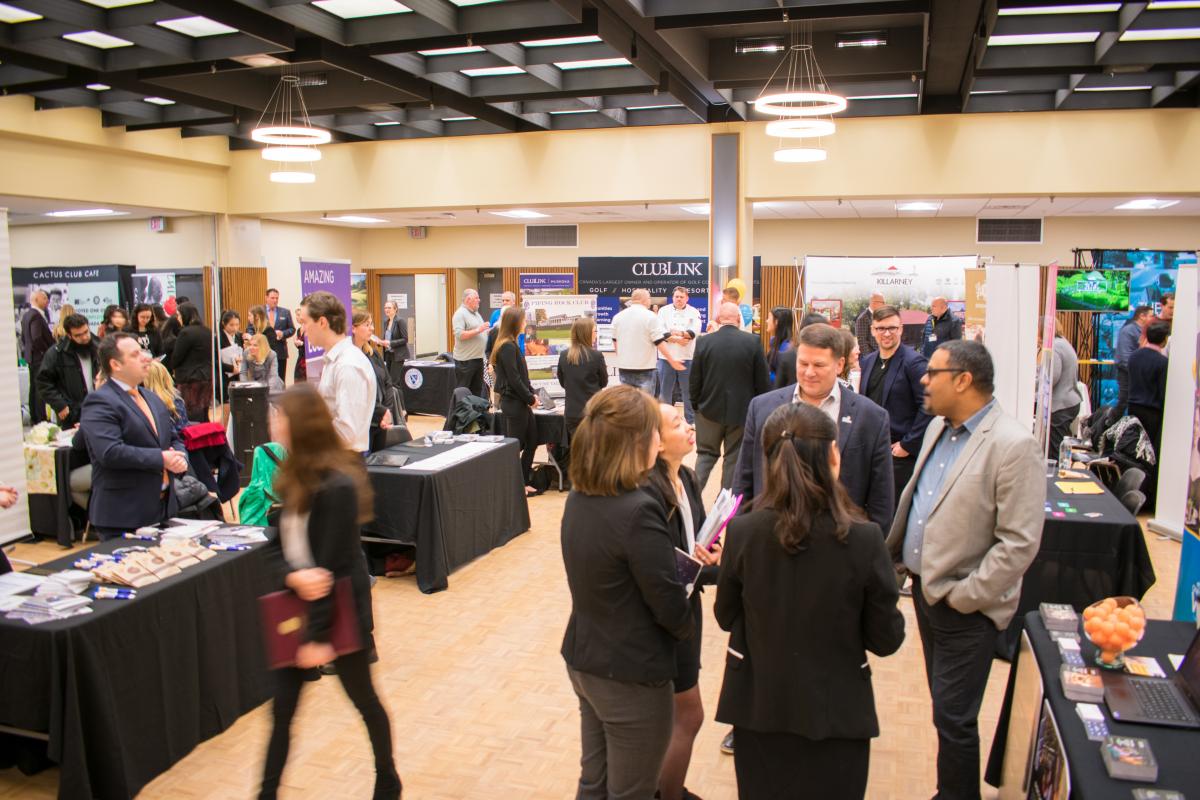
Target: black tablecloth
<point>1176,750</point>
<point>551,428</point>
<point>1083,559</point>
<point>452,515</point>
<point>128,690</point>
<point>49,514</point>
<point>428,388</point>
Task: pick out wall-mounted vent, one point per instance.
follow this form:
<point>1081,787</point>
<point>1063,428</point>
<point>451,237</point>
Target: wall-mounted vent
<point>552,236</point>
<point>1008,231</point>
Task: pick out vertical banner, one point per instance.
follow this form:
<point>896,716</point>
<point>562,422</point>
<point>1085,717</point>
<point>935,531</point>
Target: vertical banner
<point>154,288</point>
<point>613,279</point>
<point>358,293</point>
<point>548,321</point>
<point>324,276</point>
<point>1041,423</point>
<point>1187,591</point>
<point>544,283</point>
<point>975,317</point>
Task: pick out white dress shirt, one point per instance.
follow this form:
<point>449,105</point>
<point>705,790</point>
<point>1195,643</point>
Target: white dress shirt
<point>348,386</point>
<point>831,406</point>
<point>636,330</point>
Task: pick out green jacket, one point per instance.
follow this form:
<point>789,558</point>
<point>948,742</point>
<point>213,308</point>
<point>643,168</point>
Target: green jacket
<point>259,495</point>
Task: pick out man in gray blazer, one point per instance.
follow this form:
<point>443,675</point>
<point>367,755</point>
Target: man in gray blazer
<point>968,525</point>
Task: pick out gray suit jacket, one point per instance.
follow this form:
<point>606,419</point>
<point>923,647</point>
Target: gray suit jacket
<point>986,525</point>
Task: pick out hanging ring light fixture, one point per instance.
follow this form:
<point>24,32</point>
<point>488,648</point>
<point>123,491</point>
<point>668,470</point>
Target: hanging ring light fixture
<point>804,105</point>
<point>287,129</point>
<point>800,128</point>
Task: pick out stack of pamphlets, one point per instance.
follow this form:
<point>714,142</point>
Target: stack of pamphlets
<point>1128,758</point>
<point>241,534</point>
<point>1082,684</point>
<point>1059,617</point>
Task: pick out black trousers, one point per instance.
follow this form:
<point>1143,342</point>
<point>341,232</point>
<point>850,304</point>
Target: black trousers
<point>37,406</point>
<point>1122,389</point>
<point>1151,419</point>
<point>281,357</point>
<point>787,765</point>
<point>902,471</point>
<point>958,652</point>
<point>469,373</point>
<point>355,674</point>
<point>1060,427</point>
<point>520,424</point>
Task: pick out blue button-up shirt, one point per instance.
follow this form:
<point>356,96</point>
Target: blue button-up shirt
<point>929,484</point>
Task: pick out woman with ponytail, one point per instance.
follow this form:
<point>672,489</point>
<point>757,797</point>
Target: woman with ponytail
<point>806,588</point>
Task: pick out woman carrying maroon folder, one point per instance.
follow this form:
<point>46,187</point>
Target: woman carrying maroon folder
<point>318,544</point>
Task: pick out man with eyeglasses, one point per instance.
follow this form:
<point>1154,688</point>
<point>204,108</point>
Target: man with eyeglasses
<point>968,526</point>
<point>891,377</point>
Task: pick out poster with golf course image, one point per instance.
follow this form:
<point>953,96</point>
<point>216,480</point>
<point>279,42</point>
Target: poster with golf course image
<point>548,320</point>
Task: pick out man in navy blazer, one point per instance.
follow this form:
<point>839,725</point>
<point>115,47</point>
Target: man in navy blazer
<point>132,442</point>
<point>281,323</point>
<point>891,378</point>
<point>864,438</point>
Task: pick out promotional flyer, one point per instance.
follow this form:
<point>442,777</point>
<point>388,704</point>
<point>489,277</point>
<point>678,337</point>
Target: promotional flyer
<point>548,320</point>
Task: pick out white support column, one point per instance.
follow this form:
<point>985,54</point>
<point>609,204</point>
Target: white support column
<point>14,523</point>
<point>1011,334</point>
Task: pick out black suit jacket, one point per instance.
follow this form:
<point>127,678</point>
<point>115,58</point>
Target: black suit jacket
<point>785,373</point>
<point>864,440</point>
<point>627,605</point>
<point>126,457</point>
<point>728,371</point>
<point>333,538</point>
<point>581,381</point>
<point>803,624</point>
<point>512,377</point>
<point>60,380</point>
<point>192,358</point>
<point>396,333</point>
<point>36,337</point>
<point>283,324</point>
<point>903,395</point>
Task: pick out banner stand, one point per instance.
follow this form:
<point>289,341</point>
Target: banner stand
<point>1175,458</point>
<point>1012,335</point>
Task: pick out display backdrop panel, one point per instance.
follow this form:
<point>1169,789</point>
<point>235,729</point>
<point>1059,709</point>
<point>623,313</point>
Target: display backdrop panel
<point>905,282</point>
<point>328,276</point>
<point>89,289</point>
<point>548,321</point>
<point>614,278</point>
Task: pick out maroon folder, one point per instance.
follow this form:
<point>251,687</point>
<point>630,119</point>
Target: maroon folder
<point>285,621</point>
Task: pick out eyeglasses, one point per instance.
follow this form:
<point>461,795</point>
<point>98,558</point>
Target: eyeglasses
<point>943,369</point>
<point>888,329</point>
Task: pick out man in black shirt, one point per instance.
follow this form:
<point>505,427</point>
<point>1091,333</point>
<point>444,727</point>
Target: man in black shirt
<point>891,377</point>
<point>36,339</point>
<point>1148,381</point>
<point>69,370</point>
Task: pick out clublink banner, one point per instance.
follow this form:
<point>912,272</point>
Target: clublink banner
<point>324,276</point>
<point>613,278</point>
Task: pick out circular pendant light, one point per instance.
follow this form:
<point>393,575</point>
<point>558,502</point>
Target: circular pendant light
<point>291,135</point>
<point>800,104</point>
<point>800,128</point>
<point>800,155</point>
<point>285,176</point>
<point>280,153</point>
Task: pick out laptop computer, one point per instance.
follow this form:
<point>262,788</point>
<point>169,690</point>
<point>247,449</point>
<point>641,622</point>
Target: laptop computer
<point>1172,702</point>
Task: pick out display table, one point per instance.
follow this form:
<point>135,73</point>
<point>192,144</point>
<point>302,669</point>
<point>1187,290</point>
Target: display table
<point>428,387</point>
<point>48,480</point>
<point>123,693</point>
<point>1083,559</point>
<point>552,431</point>
<point>450,515</point>
<point>1176,750</point>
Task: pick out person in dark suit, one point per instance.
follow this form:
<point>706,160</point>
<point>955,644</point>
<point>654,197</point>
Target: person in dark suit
<point>69,370</point>
<point>325,496</point>
<point>192,363</point>
<point>36,339</point>
<point>728,371</point>
<point>582,372</point>
<point>891,378</point>
<point>1148,382</point>
<point>280,320</point>
<point>676,487</point>
<point>806,588</point>
<point>395,336</point>
<point>517,399</point>
<point>132,443</point>
<point>628,608</point>
<point>864,436</point>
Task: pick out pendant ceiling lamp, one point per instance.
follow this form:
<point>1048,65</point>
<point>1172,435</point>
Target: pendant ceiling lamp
<point>803,103</point>
<point>289,133</point>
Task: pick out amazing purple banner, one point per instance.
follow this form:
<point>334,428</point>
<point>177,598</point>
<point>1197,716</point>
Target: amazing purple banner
<point>324,276</point>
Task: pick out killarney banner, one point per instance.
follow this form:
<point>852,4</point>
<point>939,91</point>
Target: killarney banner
<point>907,283</point>
<point>323,275</point>
<point>543,283</point>
<point>612,280</point>
<point>88,289</point>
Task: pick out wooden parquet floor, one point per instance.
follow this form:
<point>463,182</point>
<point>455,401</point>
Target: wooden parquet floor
<point>481,707</point>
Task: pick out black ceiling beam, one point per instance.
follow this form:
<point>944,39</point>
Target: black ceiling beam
<point>950,55</point>
<point>790,14</point>
<point>216,119</point>
<point>586,27</point>
<point>245,19</point>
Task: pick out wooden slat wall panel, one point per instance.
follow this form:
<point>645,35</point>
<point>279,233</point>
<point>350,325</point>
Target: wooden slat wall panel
<point>512,276</point>
<point>780,287</point>
<point>208,290</point>
<point>241,288</point>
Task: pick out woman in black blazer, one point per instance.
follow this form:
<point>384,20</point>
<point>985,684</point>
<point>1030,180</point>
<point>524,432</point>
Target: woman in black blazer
<point>581,371</point>
<point>192,363</point>
<point>627,606</point>
<point>517,400</point>
<point>395,336</point>
<point>318,544</point>
<point>806,588</point>
<point>678,490</point>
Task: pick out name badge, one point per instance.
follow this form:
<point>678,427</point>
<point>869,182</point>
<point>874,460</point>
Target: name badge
<point>933,337</point>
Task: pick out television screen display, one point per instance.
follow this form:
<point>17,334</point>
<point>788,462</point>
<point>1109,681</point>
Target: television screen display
<point>1093,290</point>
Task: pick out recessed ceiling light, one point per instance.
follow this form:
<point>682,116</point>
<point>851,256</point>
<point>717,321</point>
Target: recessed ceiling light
<point>1146,204</point>
<point>650,108</point>
<point>356,9</point>
<point>355,218</point>
<point>99,87</point>
<point>919,205</point>
<point>519,213</point>
<point>863,39</point>
<point>117,3</point>
<point>1163,5</point>
<point>1080,37</point>
<point>562,41</point>
<point>593,63</point>
<point>989,91</point>
<point>1113,88</point>
<point>483,72</point>
<point>87,212</point>
<point>450,51</point>
<point>97,39</point>
<point>12,14</point>
<point>1083,8</point>
<point>1160,35</point>
<point>196,26</point>
<point>260,60</point>
<point>882,96</point>
<point>159,101</point>
<point>759,44</point>
<point>457,119</point>
<point>698,210</point>
<point>575,111</point>
<point>385,123</point>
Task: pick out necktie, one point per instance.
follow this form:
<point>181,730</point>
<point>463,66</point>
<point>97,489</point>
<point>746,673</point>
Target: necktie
<point>145,409</point>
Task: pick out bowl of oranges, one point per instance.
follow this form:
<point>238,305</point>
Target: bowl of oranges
<point>1114,625</point>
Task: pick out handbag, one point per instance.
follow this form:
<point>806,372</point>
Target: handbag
<point>285,624</point>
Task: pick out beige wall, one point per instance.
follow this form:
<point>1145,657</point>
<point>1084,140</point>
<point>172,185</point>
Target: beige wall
<point>284,244</point>
<point>188,242</point>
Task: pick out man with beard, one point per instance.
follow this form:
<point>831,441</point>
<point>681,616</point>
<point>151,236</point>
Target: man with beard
<point>69,370</point>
